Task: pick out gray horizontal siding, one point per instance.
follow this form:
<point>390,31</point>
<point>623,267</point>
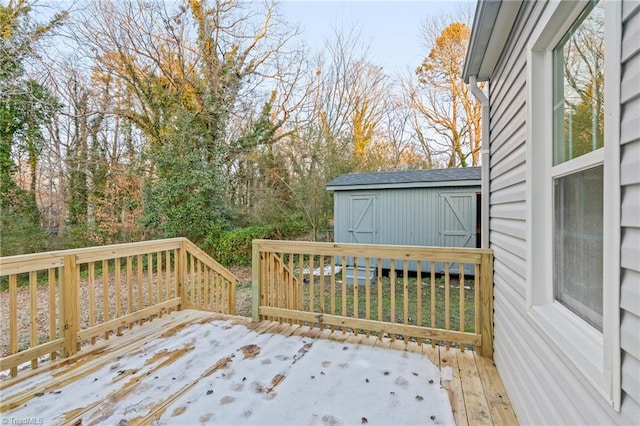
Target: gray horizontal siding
<point>509,104</point>
<point>508,166</point>
<point>630,125</point>
<point>510,177</point>
<point>630,79</point>
<point>508,227</point>
<point>629,215</point>
<point>508,142</point>
<point>630,45</point>
<point>630,291</point>
<point>545,381</point>
<point>515,246</point>
<point>629,7</point>
<point>630,405</point>
<point>630,164</point>
<point>510,265</point>
<point>539,384</point>
<point>630,249</point>
<point>631,376</point>
<point>511,158</point>
<point>511,194</point>
<point>506,277</point>
<point>630,209</point>
<point>509,211</point>
<point>629,328</point>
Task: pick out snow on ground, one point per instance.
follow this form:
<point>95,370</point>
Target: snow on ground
<point>354,384</point>
<point>326,271</point>
<point>219,373</point>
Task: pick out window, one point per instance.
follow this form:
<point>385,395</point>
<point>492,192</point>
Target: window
<point>578,87</point>
<point>577,243</point>
<point>578,129</point>
<point>573,189</point>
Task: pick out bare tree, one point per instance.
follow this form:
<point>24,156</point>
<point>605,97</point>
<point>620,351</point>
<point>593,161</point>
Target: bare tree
<point>211,78</point>
<point>582,62</point>
<point>338,129</point>
<point>441,100</point>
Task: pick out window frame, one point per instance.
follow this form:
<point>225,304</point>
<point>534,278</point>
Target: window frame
<point>594,355</point>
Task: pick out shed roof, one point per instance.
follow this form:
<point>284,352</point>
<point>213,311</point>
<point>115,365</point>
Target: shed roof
<point>466,176</point>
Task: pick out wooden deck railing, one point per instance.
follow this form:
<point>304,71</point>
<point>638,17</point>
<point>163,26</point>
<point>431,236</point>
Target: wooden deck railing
<point>430,294</point>
<point>209,286</point>
<point>77,295</point>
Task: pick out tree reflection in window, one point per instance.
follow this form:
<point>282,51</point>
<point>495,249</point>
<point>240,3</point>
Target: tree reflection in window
<point>579,87</point>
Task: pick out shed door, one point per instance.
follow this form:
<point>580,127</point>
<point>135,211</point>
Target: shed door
<point>457,219</point>
<point>362,223</point>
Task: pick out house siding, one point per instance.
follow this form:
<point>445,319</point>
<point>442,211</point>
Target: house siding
<point>531,369</point>
<point>630,207</point>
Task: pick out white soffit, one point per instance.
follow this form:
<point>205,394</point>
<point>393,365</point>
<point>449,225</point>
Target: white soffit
<point>491,28</point>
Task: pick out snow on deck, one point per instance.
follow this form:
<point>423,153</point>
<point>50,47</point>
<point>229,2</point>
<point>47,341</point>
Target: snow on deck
<point>218,372</point>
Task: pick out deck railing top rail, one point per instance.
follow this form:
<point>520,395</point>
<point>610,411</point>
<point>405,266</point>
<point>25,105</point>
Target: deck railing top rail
<point>436,254</point>
<point>52,259</point>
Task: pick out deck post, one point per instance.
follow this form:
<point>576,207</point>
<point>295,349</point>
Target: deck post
<point>255,279</point>
<point>70,301</point>
<point>182,274</point>
<point>232,298</point>
<point>486,303</point>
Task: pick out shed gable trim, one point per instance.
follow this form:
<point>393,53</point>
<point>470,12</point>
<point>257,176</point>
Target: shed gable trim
<point>409,179</point>
<point>404,185</point>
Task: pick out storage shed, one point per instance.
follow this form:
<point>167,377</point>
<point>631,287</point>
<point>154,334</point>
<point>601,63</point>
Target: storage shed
<point>435,207</point>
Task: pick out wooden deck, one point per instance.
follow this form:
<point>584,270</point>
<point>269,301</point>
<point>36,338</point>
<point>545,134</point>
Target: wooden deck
<point>107,382</point>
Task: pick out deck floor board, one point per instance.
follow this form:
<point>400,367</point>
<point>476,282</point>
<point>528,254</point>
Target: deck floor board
<point>452,382</point>
<point>157,391</point>
<point>475,400</point>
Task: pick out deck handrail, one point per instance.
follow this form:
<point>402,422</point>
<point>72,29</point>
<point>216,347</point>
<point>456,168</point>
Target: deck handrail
<point>139,281</point>
<point>313,297</point>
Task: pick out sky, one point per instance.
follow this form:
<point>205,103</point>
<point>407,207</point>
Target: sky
<point>392,28</point>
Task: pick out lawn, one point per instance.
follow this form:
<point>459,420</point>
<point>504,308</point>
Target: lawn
<point>389,301</point>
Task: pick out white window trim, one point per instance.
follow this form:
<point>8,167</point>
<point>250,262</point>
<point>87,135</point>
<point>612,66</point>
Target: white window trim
<point>594,355</point>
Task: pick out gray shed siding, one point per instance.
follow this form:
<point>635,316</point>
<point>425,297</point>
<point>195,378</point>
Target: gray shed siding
<point>406,216</point>
<point>530,368</point>
<point>403,216</point>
